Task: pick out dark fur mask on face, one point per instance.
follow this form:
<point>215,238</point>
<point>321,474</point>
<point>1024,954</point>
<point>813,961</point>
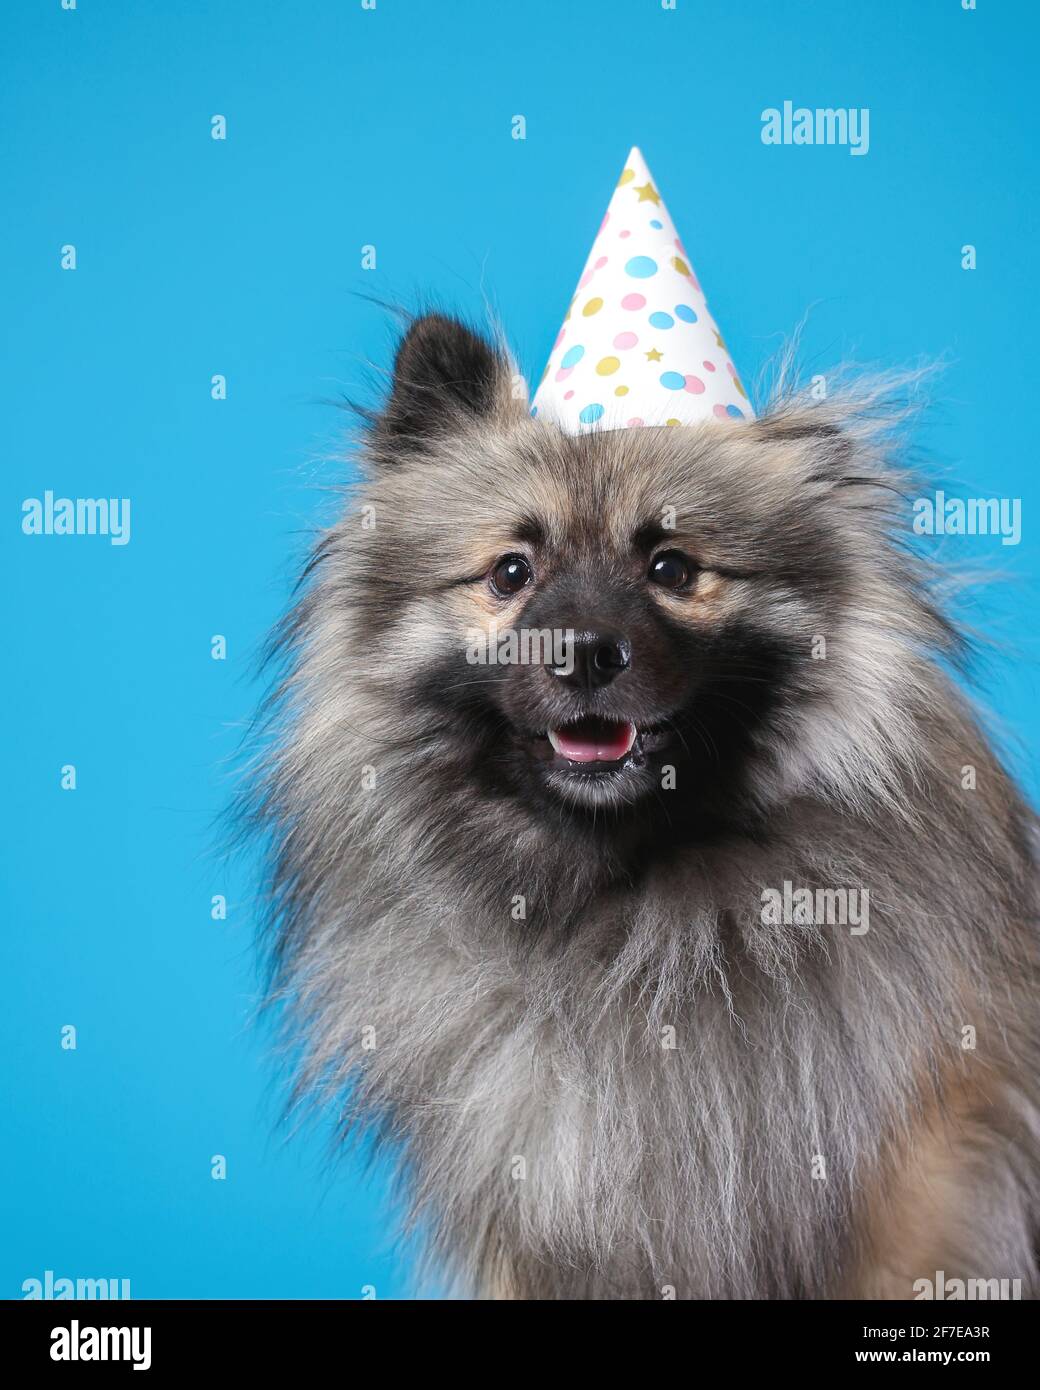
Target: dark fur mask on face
<point>757,671</point>
<point>775,663</point>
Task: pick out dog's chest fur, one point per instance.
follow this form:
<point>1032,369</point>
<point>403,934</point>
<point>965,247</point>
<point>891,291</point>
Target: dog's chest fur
<point>674,1098</point>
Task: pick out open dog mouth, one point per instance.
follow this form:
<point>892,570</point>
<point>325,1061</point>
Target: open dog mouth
<point>594,740</point>
<point>599,746</point>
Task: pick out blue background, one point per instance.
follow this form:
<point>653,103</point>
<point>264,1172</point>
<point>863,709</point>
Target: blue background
<point>197,257</point>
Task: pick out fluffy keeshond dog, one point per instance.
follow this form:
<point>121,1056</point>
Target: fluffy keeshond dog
<point>552,929</point>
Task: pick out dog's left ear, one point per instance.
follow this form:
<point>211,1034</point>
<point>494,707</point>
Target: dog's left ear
<point>837,450</point>
<point>445,378</point>
<point>820,445</point>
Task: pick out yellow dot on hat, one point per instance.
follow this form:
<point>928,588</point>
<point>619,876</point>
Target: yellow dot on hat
<point>672,422</point>
<point>626,177</point>
<point>621,391</point>
<point>680,265</point>
<point>592,307</point>
<point>607,365</point>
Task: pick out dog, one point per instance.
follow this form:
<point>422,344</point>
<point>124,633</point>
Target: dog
<point>551,929</point>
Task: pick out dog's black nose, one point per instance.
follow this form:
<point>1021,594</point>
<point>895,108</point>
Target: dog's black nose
<point>593,659</point>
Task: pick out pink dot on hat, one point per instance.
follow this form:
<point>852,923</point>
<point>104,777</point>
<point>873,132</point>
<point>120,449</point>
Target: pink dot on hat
<point>694,385</point>
<point>600,263</point>
<point>633,301</point>
<point>709,366</point>
<point>567,395</point>
<point>634,421</point>
<point>720,411</point>
<point>626,340</point>
<point>624,233</point>
<point>563,373</point>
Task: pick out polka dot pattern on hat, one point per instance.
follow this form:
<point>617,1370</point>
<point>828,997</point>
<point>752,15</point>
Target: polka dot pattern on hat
<point>640,347</point>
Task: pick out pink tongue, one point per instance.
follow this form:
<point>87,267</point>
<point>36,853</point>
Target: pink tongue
<point>599,742</point>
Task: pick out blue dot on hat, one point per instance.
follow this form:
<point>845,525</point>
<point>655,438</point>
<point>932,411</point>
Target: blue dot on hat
<point>684,312</point>
<point>674,381</point>
<point>642,267</point>
<point>655,224</point>
<point>660,320</point>
<point>571,356</point>
<point>590,414</point>
<point>734,412</point>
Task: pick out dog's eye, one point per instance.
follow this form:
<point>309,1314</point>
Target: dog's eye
<point>510,574</point>
<point>671,570</point>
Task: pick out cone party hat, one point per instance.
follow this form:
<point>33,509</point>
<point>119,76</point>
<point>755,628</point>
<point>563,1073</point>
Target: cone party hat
<point>638,346</point>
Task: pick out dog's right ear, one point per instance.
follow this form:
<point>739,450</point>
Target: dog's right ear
<point>445,378</point>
